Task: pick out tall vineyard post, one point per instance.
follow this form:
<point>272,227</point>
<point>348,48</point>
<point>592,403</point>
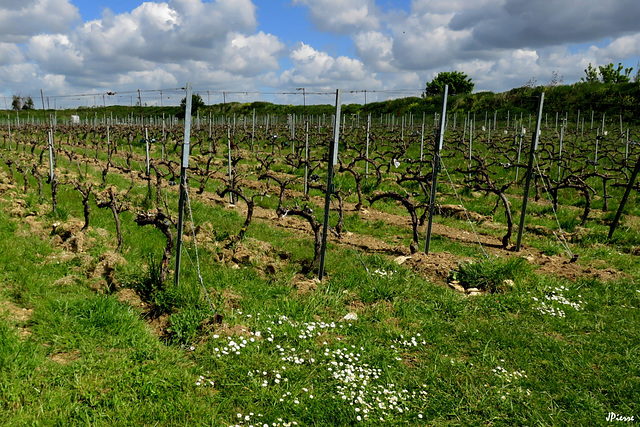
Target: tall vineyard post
<point>564,122</point>
<point>183,182</point>
<point>229,164</point>
<point>333,154</point>
<point>366,155</point>
<point>253,128</point>
<point>51,162</point>
<point>421,144</point>
<point>306,159</point>
<point>436,169</point>
<point>623,202</point>
<point>519,137</point>
<point>147,169</point>
<point>532,153</point>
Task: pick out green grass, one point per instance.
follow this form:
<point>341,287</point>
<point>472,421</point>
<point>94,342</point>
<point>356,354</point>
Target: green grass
<point>428,351</point>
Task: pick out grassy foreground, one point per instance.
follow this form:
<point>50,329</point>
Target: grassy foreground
<point>374,346</point>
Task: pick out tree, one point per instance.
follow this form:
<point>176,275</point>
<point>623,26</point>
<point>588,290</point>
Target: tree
<point>27,103</point>
<point>196,104</point>
<point>607,74</point>
<point>16,103</point>
<point>459,83</point>
<point>21,103</point>
<point>592,75</point>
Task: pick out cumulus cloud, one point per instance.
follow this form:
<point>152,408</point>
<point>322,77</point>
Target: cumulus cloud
<point>242,53</point>
<point>20,19</point>
<point>167,32</point>
<point>503,42</point>
<point>10,54</point>
<point>155,43</point>
<point>319,69</point>
<point>342,16</point>
<point>54,53</point>
<point>522,23</point>
<point>376,50</point>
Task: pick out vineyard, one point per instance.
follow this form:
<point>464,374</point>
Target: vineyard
<point>275,289</point>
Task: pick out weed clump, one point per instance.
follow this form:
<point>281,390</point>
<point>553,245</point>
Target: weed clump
<point>185,308</point>
<point>490,275</point>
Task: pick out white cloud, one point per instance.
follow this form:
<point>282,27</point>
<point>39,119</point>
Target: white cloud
<point>342,16</point>
<point>21,19</point>
<point>315,68</point>
<point>376,50</point>
<point>10,54</point>
<point>623,47</point>
<point>523,23</point>
<point>54,53</point>
<point>154,44</point>
<point>242,53</point>
<point>421,46</point>
<point>16,74</point>
<point>218,44</point>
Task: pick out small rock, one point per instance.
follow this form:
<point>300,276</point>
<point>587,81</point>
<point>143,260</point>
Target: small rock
<point>350,316</point>
<point>508,283</point>
<point>455,285</point>
<point>401,259</point>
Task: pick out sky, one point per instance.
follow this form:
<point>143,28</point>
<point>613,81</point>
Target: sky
<point>98,52</point>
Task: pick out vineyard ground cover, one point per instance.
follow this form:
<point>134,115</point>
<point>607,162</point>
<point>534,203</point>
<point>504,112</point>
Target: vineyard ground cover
<point>385,205</point>
<point>549,350</point>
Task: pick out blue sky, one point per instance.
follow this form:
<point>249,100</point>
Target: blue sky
<point>90,10</point>
<point>264,50</point>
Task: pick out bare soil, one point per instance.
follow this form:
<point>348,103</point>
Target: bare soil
<point>435,266</point>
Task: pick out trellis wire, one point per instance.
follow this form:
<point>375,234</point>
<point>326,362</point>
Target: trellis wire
<point>353,246</point>
<point>195,245</point>
<point>562,241</point>
<point>444,168</point>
